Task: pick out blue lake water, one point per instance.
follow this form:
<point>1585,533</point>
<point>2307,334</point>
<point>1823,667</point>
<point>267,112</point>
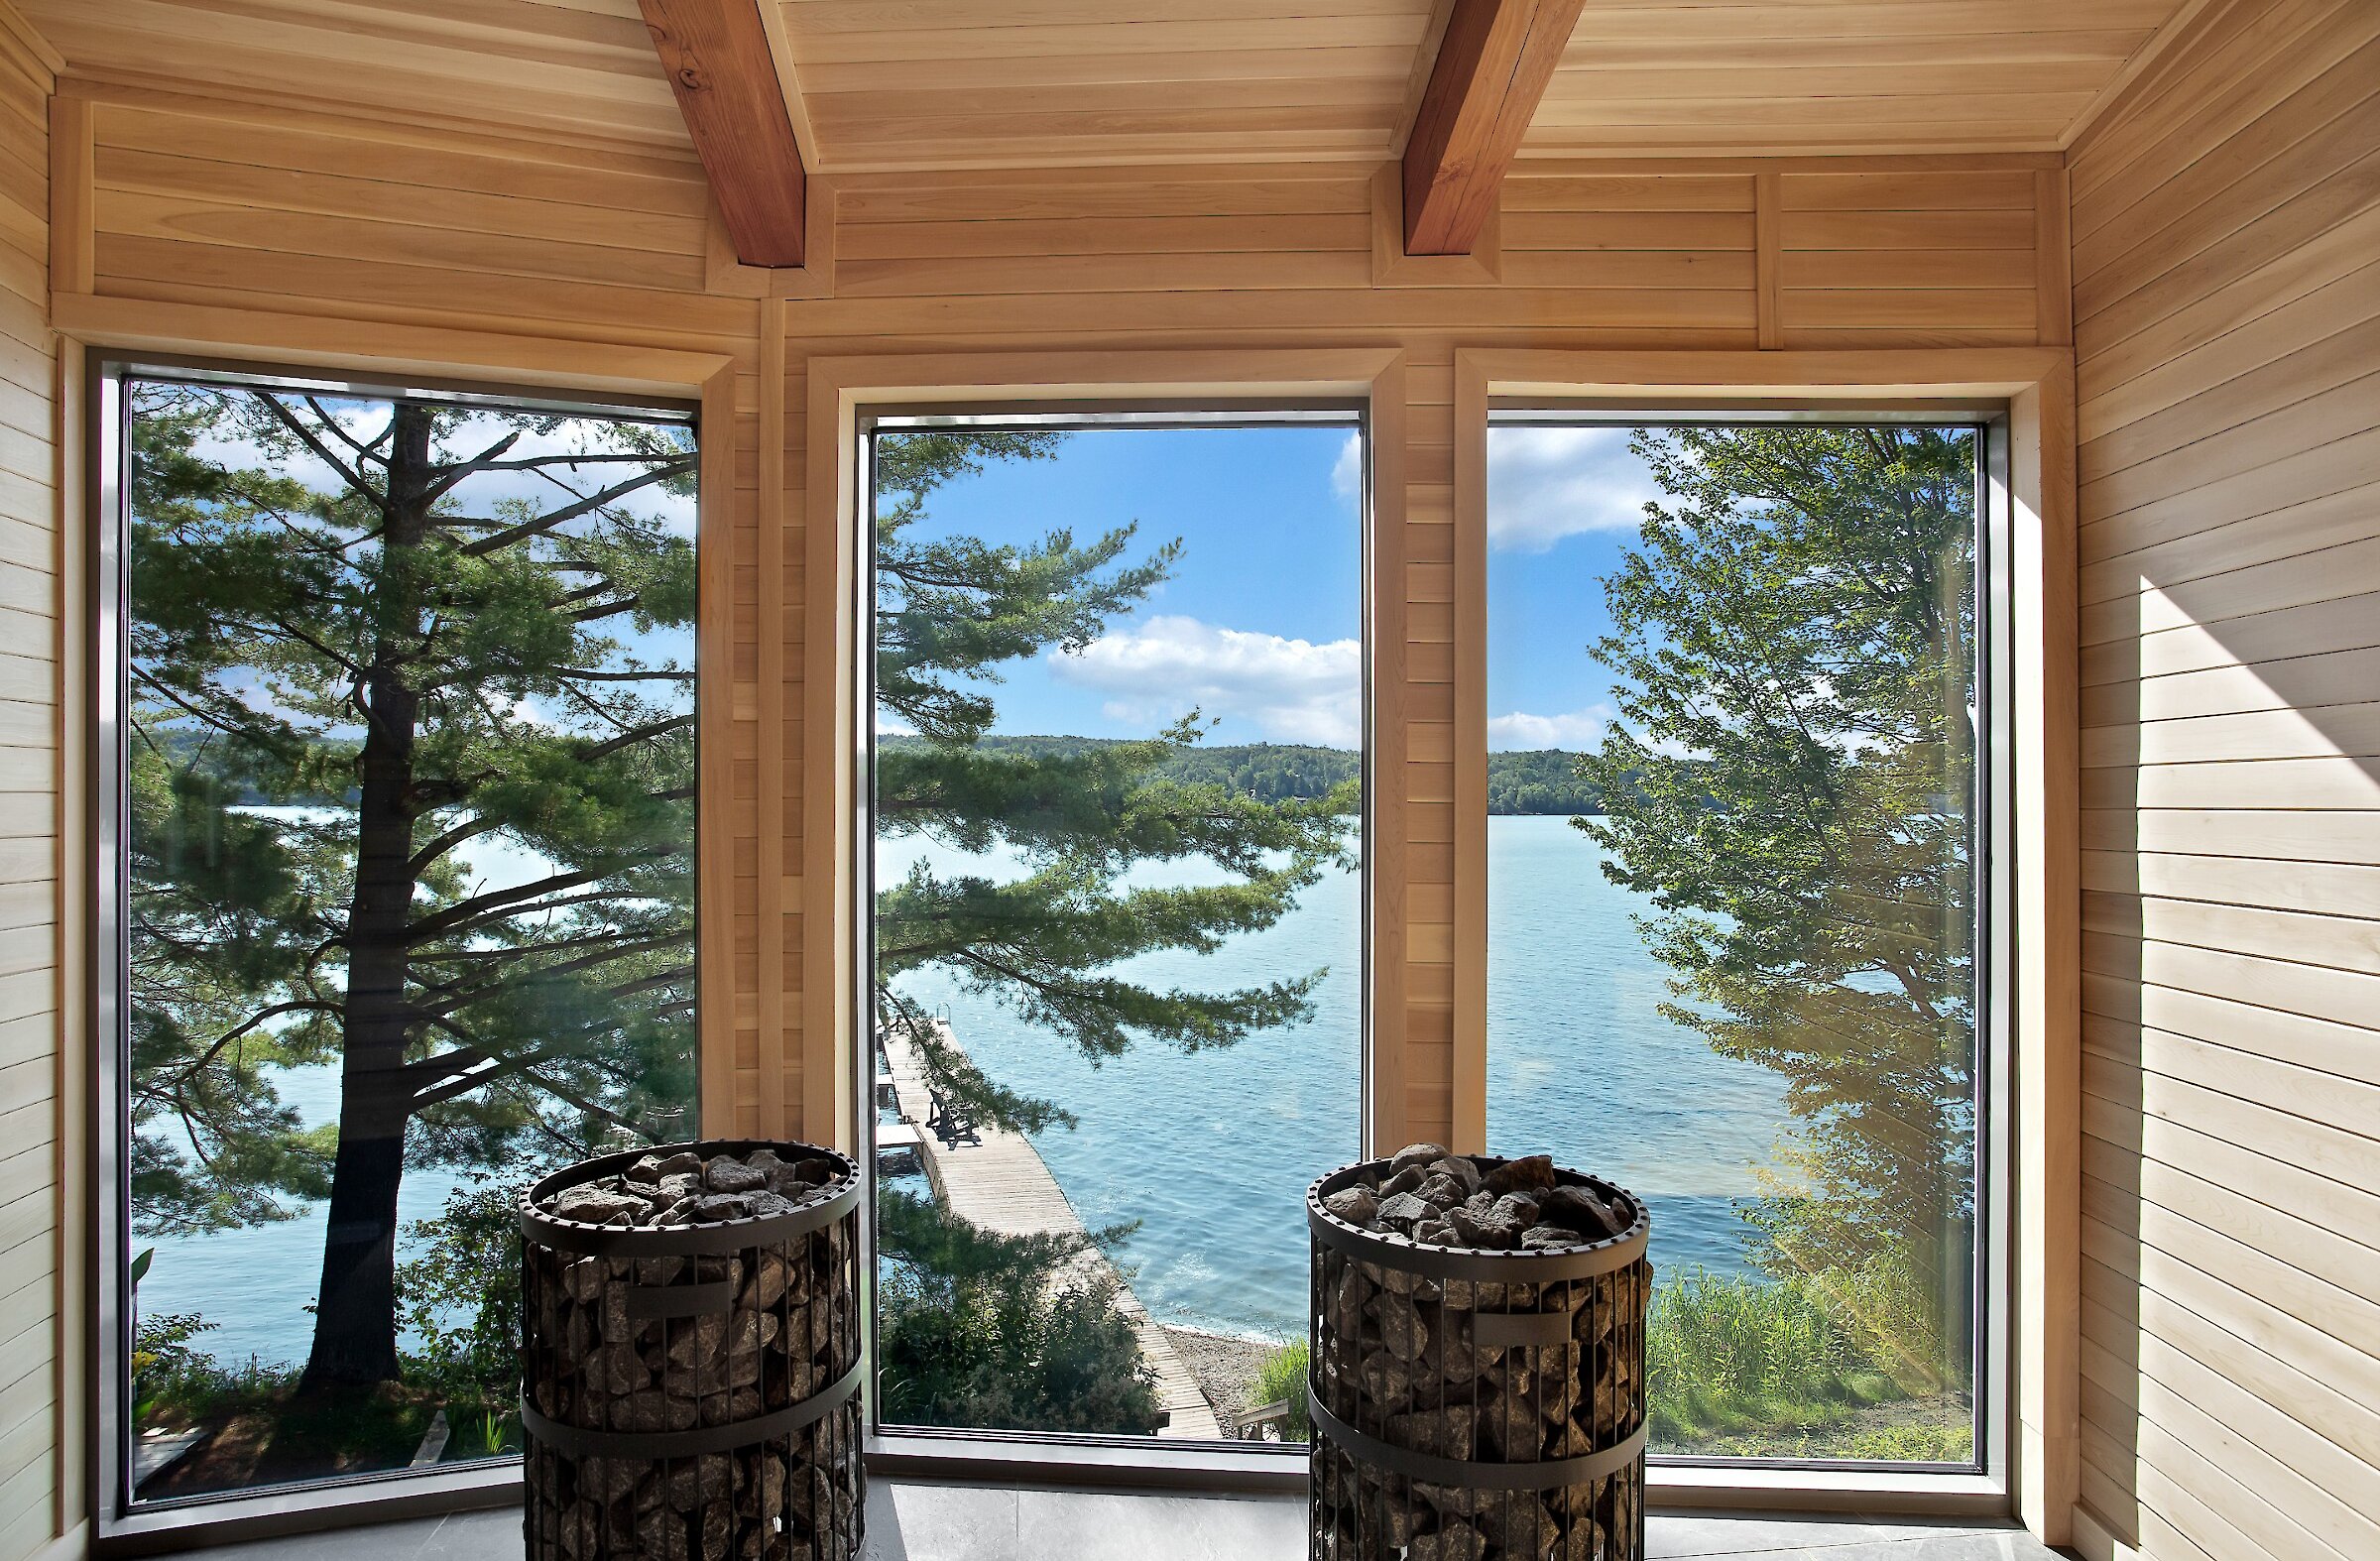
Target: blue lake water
<point>1211,1153</point>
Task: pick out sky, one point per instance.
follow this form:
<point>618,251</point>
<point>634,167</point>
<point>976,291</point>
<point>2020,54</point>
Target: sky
<point>1260,626</point>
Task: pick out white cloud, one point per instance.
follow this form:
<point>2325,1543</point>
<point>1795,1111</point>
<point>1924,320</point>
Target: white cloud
<point>892,726</point>
<point>1548,483</point>
<point>1579,729</point>
<point>1291,691</point>
<point>1346,473</point>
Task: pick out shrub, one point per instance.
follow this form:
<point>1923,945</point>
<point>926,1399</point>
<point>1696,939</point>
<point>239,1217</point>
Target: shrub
<point>172,1380</point>
<point>460,1297</point>
<point>974,1328</point>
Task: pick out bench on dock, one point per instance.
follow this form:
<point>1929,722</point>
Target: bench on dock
<point>950,1122</point>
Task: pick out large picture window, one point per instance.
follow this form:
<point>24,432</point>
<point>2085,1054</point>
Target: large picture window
<point>1734,887</point>
<point>1117,944</point>
<point>402,721</point>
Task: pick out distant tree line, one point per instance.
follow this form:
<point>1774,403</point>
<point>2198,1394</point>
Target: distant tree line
<point>1538,781</point>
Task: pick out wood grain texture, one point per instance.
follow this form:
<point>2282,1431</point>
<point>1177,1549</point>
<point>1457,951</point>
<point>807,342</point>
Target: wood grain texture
<point>1822,76</point>
<point>716,56</point>
<point>490,254</point>
<point>2223,214</point>
<point>1492,65</point>
<point>41,1079</point>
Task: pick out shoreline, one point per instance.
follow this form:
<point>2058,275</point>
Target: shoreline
<point>1224,1364</point>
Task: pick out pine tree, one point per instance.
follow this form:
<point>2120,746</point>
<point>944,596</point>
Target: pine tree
<point>951,612</point>
<point>408,630</point>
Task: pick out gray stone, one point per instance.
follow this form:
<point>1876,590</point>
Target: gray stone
<point>685,1163</point>
<point>1354,1205</point>
<point>1416,1154</point>
<point>647,1169</point>
<point>1515,1209</point>
<point>1402,1331</point>
<point>1462,1168</point>
<point>1582,1211</point>
<point>1529,1173</point>
<point>1442,1190</point>
<point>1445,1433</point>
<point>726,1173</point>
<point>1456,1541</point>
<point>1405,1180</point>
<point>1540,1238</point>
<point>1404,1209</point>
<point>594,1206</point>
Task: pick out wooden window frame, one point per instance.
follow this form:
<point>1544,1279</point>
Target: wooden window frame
<point>2030,1471</point>
<point>97,331</point>
<point>843,393</point>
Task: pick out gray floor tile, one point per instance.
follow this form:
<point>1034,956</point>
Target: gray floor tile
<point>910,1522</point>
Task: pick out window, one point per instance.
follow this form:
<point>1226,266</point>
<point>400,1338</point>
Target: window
<point>1117,944</point>
<point>402,732</point>
<point>1734,886</point>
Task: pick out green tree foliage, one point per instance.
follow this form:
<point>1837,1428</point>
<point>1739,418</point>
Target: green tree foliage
<point>460,1294</point>
<point>1793,648</point>
<point>1003,1332</point>
<point>1539,780</point>
<point>951,612</point>
<point>1533,781</point>
<point>406,628</point>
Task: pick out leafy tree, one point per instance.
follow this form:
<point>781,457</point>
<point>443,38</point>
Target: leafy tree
<point>411,630</point>
<point>951,612</point>
<point>461,1293</point>
<point>1791,782</point>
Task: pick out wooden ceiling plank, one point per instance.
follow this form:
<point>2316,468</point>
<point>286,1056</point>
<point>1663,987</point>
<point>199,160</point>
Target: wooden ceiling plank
<point>717,57</point>
<point>1494,65</point>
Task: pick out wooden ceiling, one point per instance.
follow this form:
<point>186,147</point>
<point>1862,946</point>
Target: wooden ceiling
<point>963,84</point>
<point>954,84</point>
<point>1835,75</point>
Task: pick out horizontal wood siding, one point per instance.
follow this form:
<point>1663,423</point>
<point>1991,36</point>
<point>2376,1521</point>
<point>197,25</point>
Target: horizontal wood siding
<point>32,1418</point>
<point>206,201</point>
<point>2227,219</point>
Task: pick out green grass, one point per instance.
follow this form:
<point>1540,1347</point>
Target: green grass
<point>1282,1378</point>
<point>1754,1368</point>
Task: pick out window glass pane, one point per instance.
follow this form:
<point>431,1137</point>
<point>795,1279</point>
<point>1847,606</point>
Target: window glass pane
<point>1732,891</point>
<point>1118,941</point>
<point>410,863</point>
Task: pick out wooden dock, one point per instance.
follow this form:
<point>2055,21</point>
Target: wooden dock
<point>1002,1185</point>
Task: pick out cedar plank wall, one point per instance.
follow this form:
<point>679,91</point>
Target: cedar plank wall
<point>213,202</point>
<point>30,1269</point>
<point>2227,219</point>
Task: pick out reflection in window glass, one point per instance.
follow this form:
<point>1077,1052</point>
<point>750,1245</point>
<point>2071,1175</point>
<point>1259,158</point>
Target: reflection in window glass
<point>410,760</point>
<point>1117,936</point>
<point>1733,893</point>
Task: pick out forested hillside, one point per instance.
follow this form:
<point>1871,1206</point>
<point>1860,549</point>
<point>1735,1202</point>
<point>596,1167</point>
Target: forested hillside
<point>1540,780</point>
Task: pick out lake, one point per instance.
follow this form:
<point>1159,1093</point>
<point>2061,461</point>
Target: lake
<point>1211,1153</point>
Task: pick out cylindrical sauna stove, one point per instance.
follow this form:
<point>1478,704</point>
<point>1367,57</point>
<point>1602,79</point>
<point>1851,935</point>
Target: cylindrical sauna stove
<point>689,1388</point>
<point>1471,1403</point>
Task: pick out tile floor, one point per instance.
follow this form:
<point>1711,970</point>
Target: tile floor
<point>910,1521</point>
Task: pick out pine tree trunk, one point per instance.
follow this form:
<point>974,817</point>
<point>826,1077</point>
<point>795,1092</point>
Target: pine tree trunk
<point>355,1320</point>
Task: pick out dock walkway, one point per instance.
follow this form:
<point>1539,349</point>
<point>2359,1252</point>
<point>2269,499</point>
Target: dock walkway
<point>1002,1185</point>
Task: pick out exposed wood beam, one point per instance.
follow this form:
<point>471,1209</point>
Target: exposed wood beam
<point>717,57</point>
<point>1492,67</point>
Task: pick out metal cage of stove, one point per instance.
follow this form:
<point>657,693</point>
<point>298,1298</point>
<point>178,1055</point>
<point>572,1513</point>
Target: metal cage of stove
<point>1386,1474</point>
<point>680,1465</point>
